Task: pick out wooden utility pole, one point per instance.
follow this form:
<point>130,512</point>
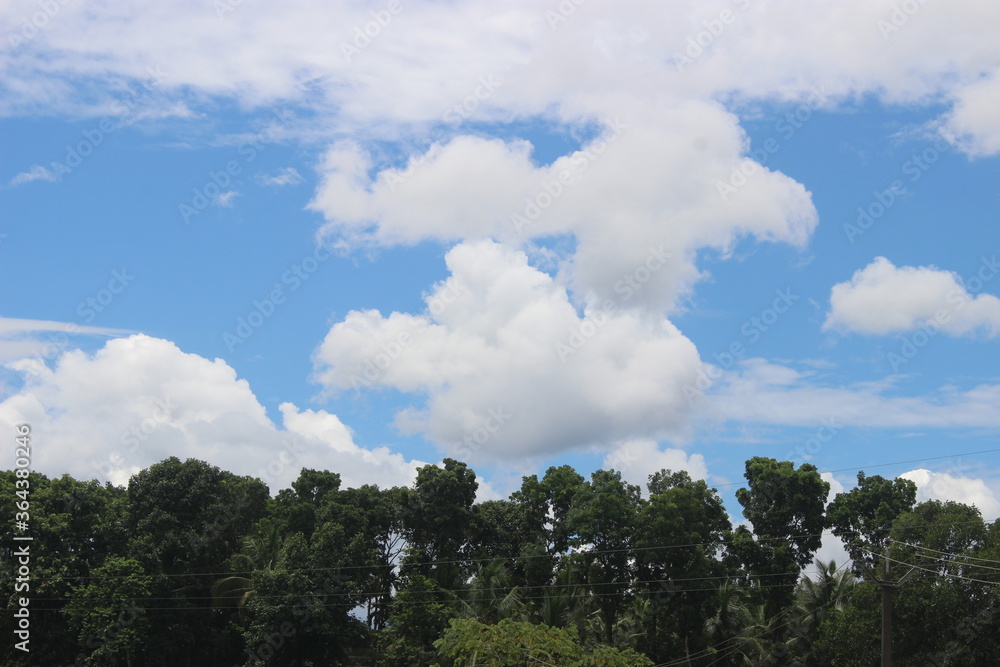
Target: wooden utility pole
<point>887,587</point>
<point>886,584</point>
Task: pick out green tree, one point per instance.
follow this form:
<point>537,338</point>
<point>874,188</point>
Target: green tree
<point>261,551</point>
<point>372,521</point>
<point>186,520</point>
<point>76,526</point>
<point>420,613</point>
<point>603,520</point>
<point>863,517</point>
<point>785,506</point>
<point>437,519</point>
<point>300,613</point>
<point>680,532</point>
<point>511,643</point>
<point>295,509</point>
<point>108,614</point>
<point>940,614</point>
<point>547,504</point>
<point>491,594</point>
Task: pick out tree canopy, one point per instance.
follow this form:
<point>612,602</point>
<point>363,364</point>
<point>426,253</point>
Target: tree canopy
<point>190,564</point>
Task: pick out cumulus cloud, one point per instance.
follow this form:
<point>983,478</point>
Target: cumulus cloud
<point>589,62</point>
<point>944,486</point>
<point>647,182</point>
<point>973,123</point>
<point>139,400</point>
<point>638,459</point>
<point>653,194</point>
<point>883,298</point>
<point>509,367</point>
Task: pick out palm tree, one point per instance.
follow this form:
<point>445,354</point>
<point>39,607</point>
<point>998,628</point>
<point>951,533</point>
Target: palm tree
<point>568,602</point>
<point>490,597</point>
<point>732,627</point>
<point>733,613</point>
<point>829,591</point>
<point>260,552</point>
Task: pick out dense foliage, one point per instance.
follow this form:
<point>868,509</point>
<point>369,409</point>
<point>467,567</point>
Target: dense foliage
<point>193,565</point>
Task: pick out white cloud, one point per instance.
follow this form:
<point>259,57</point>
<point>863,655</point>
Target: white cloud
<point>225,198</point>
<point>650,182</point>
<point>760,392</point>
<point>36,173</point>
<point>655,186</point>
<point>882,298</point>
<point>600,57</point>
<point>508,366</point>
<point>943,486</point>
<point>835,485</point>
<point>285,176</point>
<point>139,400</point>
<point>638,459</point>
<point>974,123</point>
<point>21,338</point>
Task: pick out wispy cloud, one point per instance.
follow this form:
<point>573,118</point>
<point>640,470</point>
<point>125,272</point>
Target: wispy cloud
<point>225,198</point>
<point>21,338</point>
<point>286,176</point>
<point>36,173</point>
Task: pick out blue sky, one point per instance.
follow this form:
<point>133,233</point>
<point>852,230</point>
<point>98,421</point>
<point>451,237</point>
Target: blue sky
<point>520,237</point>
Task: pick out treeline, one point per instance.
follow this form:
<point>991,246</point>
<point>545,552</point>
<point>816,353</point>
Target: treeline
<point>193,565</point>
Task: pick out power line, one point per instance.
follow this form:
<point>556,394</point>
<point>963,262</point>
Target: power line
<point>465,561</point>
<point>940,574</point>
<point>352,605</point>
<point>946,553</point>
<point>743,640</point>
<point>883,465</point>
<point>372,594</point>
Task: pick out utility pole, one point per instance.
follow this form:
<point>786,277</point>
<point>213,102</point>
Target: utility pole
<point>886,584</point>
<point>887,587</point>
